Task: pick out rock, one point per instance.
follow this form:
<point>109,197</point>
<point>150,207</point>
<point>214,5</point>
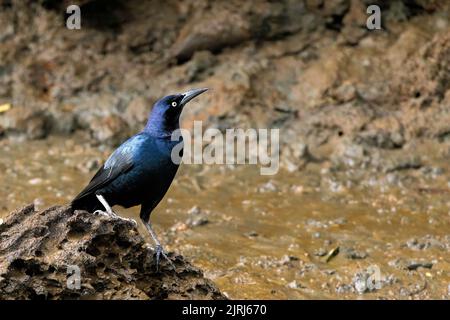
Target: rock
<point>89,165</point>
<point>42,254</point>
<point>269,186</point>
<point>212,32</point>
<point>427,242</point>
<point>62,121</point>
<point>414,265</point>
<point>33,123</point>
<point>411,264</point>
<point>197,217</point>
<point>199,64</point>
<point>320,252</point>
<point>309,67</point>
<point>353,254</point>
<point>384,132</point>
<point>295,285</point>
<point>251,234</point>
<point>402,162</point>
<point>138,110</point>
<point>226,25</point>
<point>111,130</point>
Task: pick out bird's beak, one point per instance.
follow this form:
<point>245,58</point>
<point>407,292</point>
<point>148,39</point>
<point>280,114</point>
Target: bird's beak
<point>191,94</point>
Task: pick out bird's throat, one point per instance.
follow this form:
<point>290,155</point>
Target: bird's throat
<point>161,125</point>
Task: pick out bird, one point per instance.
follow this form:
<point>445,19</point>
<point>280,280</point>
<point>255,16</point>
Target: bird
<point>140,171</point>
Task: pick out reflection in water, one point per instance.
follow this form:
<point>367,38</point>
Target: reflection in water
<point>302,235</point>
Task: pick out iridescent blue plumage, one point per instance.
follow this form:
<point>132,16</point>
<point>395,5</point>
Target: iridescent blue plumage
<point>140,171</point>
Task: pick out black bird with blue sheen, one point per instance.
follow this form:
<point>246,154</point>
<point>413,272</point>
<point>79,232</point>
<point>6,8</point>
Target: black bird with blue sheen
<point>140,171</point>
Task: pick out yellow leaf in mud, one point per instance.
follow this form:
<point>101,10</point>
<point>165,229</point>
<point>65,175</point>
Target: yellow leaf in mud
<point>5,107</point>
<point>331,254</point>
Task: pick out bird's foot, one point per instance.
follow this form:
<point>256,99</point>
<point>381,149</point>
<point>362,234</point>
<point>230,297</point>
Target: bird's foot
<point>160,251</point>
<point>101,213</point>
<point>114,216</point>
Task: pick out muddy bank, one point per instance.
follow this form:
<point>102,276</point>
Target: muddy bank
<point>39,251</point>
<point>353,98</point>
<point>310,234</point>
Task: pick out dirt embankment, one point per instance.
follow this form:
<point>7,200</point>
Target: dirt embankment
<point>43,253</point>
<point>342,94</point>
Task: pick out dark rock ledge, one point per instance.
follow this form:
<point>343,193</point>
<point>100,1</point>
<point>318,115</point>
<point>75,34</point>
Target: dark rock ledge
<point>41,251</point>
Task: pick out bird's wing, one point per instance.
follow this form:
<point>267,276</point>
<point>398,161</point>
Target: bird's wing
<point>118,163</point>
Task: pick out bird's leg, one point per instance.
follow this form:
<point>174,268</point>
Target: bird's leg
<point>109,212</point>
<point>159,249</point>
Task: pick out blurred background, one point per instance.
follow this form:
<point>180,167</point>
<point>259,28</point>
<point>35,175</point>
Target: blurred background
<point>364,119</point>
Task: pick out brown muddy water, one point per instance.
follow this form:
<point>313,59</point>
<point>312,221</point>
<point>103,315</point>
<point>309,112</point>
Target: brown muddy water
<point>310,234</point>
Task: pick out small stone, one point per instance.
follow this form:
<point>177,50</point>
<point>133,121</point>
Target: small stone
<point>286,259</point>
<point>89,165</point>
<point>194,210</point>
<point>33,123</point>
<point>197,221</point>
<point>298,189</point>
<point>268,187</point>
<point>111,129</point>
<point>414,265</point>
<point>344,288</point>
<point>179,227</point>
<point>320,252</point>
<point>251,234</point>
<point>294,285</point>
<point>353,254</point>
<point>35,181</point>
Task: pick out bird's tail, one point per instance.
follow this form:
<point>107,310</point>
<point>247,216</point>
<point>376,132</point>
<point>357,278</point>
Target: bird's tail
<point>89,203</point>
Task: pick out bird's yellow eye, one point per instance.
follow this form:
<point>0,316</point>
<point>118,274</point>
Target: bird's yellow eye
<point>174,104</point>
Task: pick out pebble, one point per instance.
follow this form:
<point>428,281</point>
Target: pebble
<point>294,285</point>
<point>197,217</point>
<point>35,181</point>
<point>414,265</point>
<point>353,254</point>
<point>268,187</point>
<point>194,210</point>
<point>251,234</point>
<point>320,252</point>
<point>178,227</point>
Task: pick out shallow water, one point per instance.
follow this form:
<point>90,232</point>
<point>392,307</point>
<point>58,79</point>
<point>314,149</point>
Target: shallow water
<point>309,234</point>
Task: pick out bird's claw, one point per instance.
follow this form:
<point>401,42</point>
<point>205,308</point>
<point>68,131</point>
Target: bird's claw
<point>160,251</point>
<point>114,216</point>
<point>101,213</point>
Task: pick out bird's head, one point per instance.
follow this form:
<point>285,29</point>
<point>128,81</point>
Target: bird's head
<point>165,115</point>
